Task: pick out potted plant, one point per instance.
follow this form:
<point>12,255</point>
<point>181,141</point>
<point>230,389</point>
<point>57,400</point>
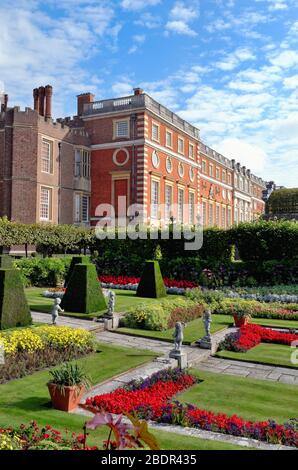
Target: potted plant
<point>241,312</point>
<point>67,386</point>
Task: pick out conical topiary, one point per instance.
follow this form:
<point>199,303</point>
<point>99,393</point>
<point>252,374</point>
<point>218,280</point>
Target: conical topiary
<point>14,309</point>
<point>75,260</point>
<point>83,293</point>
<point>6,261</point>
<point>151,284</point>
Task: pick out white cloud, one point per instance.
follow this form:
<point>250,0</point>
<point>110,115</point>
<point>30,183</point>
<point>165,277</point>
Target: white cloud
<point>285,59</point>
<point>138,39</point>
<point>291,82</point>
<point>138,4</point>
<point>37,49</point>
<point>249,154</point>
<point>180,16</point>
<point>122,88</point>
<point>232,60</point>
<point>180,27</point>
<point>147,20</point>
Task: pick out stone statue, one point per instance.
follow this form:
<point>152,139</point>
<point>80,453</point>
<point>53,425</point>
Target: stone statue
<point>55,310</point>
<point>111,303</point>
<point>178,335</point>
<point>207,319</point>
<point>206,342</point>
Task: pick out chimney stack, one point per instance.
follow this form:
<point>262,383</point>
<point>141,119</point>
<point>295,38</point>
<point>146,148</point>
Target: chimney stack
<point>36,99</point>
<point>138,91</point>
<point>48,96</point>
<point>41,93</point>
<point>84,98</point>
<point>3,103</point>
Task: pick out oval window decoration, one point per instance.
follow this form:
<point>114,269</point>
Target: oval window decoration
<point>181,170</point>
<point>191,174</point>
<point>121,156</point>
<point>169,165</point>
<point>155,159</point>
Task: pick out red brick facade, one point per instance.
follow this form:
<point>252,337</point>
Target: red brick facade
<point>138,149</point>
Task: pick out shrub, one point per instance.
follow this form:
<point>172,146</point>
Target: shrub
<point>258,309</point>
<point>151,283</point>
<point>43,272</point>
<point>210,297</point>
<point>163,315</point>
<point>75,260</point>
<point>14,309</point>
<point>6,261</point>
<point>83,294</point>
<point>266,240</point>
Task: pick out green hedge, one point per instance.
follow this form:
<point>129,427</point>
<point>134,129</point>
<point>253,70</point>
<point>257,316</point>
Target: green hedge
<point>14,310</point>
<point>163,315</point>
<point>266,240</point>
<point>151,283</point>
<point>83,294</point>
<point>43,272</point>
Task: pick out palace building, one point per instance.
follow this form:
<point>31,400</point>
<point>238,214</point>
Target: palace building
<point>123,152</point>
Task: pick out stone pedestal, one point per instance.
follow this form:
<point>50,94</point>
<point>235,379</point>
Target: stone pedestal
<point>180,357</point>
<point>205,343</point>
<point>111,323</point>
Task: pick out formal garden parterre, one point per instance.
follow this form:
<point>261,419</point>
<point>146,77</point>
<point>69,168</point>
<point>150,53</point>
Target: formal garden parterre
<point>239,276</point>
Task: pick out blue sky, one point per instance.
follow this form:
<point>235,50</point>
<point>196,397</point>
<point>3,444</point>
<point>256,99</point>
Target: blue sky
<point>228,66</point>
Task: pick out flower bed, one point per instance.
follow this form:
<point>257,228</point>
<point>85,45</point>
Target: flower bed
<point>251,335</point>
<point>131,283</point>
<point>163,315</point>
<point>258,309</point>
<point>151,399</point>
<point>30,349</point>
<point>33,437</point>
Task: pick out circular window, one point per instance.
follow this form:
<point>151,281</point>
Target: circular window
<point>181,170</point>
<point>169,165</point>
<point>155,159</point>
<point>191,174</point>
<point>121,157</point>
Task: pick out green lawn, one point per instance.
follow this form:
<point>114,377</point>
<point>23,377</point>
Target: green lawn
<point>124,300</point>
<point>193,331</point>
<point>275,323</point>
<point>27,399</point>
<point>249,398</point>
<point>264,353</point>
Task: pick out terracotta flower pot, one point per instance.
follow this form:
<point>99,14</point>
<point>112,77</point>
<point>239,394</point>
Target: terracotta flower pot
<point>240,321</point>
<point>66,399</point>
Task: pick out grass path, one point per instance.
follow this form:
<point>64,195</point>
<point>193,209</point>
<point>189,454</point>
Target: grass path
<point>249,398</point>
<point>264,353</point>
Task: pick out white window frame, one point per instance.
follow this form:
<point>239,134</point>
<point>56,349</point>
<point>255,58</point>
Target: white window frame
<point>155,202</point>
<point>217,173</point>
<point>48,161</point>
<point>180,211</point>
<point>211,168</point>
<point>169,133</point>
<point>155,124</point>
<point>191,207</point>
<point>77,208</point>
<point>168,204</point>
<point>85,198</point>
<point>204,167</point>
<point>48,205</point>
<point>180,140</point>
<point>116,122</point>
<point>191,155</point>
